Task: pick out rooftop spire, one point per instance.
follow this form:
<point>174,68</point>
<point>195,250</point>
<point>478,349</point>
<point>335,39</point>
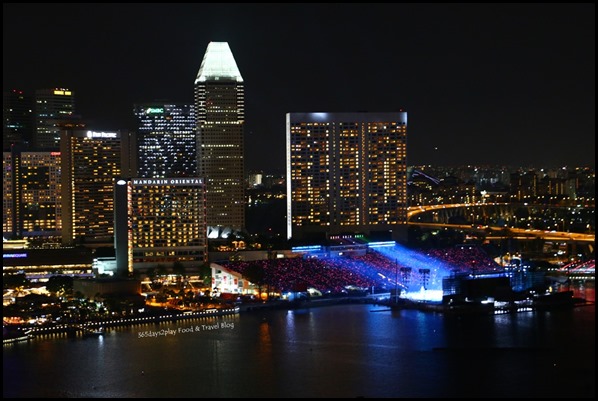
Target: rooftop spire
<point>218,63</point>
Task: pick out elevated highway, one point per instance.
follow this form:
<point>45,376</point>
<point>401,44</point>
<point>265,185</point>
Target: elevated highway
<point>442,214</point>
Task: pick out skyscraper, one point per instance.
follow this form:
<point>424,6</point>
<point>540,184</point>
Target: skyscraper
<point>53,109</point>
<point>220,113</point>
<point>8,198</point>
<point>90,163</point>
<point>346,173</point>
<point>31,193</point>
<point>166,140</point>
<point>17,116</point>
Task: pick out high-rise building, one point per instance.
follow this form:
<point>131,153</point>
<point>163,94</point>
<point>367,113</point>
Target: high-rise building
<point>166,140</point>
<point>54,109</point>
<point>31,193</point>
<point>220,112</point>
<point>37,195</point>
<point>17,116</point>
<point>8,200</point>
<point>90,163</point>
<point>523,186</point>
<point>346,173</point>
<point>160,222</point>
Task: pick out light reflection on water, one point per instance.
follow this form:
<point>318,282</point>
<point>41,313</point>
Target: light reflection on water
<point>333,351</point>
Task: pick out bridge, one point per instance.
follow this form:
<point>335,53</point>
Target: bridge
<point>497,220</point>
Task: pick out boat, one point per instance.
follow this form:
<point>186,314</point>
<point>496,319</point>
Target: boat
<point>93,332</point>
<point>75,330</point>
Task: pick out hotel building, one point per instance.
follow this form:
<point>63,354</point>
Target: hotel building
<point>220,113</point>
<point>90,162</point>
<point>346,174</point>
<point>160,221</point>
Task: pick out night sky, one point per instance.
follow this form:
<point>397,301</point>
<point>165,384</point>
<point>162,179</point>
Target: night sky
<point>485,84</point>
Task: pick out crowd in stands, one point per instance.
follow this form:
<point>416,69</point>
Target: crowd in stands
<point>465,259</point>
<point>335,274</point>
<point>586,267</point>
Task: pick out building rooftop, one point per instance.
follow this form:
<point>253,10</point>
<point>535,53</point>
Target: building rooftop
<point>218,63</point>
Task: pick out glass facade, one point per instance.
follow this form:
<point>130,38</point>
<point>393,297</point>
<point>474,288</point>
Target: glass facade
<point>220,108</point>
<point>166,140</point>
<point>17,115</point>
<point>53,108</point>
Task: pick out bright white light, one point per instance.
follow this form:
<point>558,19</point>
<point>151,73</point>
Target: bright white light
<point>423,295</point>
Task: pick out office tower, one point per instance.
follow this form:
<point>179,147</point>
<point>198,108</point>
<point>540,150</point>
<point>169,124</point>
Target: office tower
<point>90,163</point>
<point>219,100</point>
<point>166,140</point>
<point>17,116</point>
<point>346,173</point>
<point>54,109</point>
<point>160,222</point>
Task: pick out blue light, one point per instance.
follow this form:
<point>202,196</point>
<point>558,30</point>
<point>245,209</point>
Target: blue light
<point>14,255</point>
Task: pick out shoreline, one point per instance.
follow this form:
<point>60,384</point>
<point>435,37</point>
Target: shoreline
<point>465,309</point>
<point>86,328</point>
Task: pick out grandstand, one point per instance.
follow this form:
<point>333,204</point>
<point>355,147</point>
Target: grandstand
<point>376,267</point>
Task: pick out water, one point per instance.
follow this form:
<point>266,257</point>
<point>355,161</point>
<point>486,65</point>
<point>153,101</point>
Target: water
<point>332,351</point>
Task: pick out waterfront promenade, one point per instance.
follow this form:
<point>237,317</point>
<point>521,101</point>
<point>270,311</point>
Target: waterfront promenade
<point>90,326</point>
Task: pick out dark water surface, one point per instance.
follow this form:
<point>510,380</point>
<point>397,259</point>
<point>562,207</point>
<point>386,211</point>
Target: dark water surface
<point>333,351</point>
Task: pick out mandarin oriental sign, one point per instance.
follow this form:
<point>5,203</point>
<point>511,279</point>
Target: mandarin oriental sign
<point>167,181</point>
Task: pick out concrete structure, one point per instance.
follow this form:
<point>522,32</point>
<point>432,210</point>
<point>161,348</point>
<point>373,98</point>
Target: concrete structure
<point>53,109</point>
<point>346,173</point>
<point>31,193</point>
<point>220,111</point>
<point>160,222</point>
<point>90,163</point>
<point>43,263</point>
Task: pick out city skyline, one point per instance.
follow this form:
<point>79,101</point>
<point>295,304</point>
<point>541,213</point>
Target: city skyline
<point>509,84</point>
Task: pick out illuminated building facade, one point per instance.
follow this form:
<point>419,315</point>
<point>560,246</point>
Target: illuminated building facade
<point>41,264</point>
<point>346,173</point>
<point>166,140</point>
<point>40,196</point>
<point>160,222</point>
<point>53,109</point>
<point>17,116</point>
<point>90,162</point>
<point>220,111</point>
<point>8,206</point>
<point>31,193</point>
